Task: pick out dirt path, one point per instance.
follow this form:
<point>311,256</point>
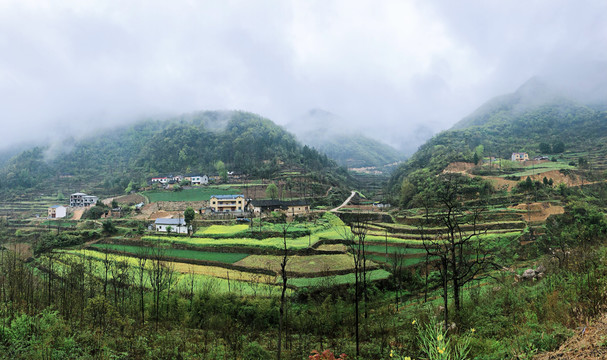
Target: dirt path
<point>345,202</point>
<point>587,343</point>
<point>78,214</point>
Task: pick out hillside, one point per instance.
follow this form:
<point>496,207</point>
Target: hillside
<point>330,134</point>
<point>535,119</point>
<point>107,162</point>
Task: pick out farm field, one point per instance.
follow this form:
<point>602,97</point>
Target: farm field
<point>205,278</point>
<point>222,230</point>
<point>227,257</point>
<point>541,168</point>
<point>300,264</point>
<point>373,275</point>
<point>194,194</point>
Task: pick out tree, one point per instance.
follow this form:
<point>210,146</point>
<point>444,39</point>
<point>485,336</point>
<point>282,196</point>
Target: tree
<point>272,191</point>
<point>458,246</point>
<point>558,147</point>
<point>189,214</point>
<point>220,167</point>
<point>283,274</point>
<point>355,236</point>
<point>109,227</point>
<point>545,148</point>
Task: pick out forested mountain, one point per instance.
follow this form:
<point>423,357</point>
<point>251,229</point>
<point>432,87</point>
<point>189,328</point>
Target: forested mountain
<point>534,119</point>
<point>329,134</point>
<point>245,142</point>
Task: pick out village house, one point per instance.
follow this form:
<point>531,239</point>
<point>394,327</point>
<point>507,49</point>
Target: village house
<point>197,179</point>
<point>293,207</point>
<point>175,225</point>
<point>82,199</point>
<point>520,157</point>
<point>57,212</point>
<point>170,179</point>
<point>227,203</point>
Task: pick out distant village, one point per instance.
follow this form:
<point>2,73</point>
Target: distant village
<point>233,206</point>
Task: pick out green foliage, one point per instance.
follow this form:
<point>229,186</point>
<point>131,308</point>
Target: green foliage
<point>119,159</point>
<point>195,194</point>
<point>272,191</point>
<point>223,257</point>
<point>501,130</point>
<point>95,212</point>
<point>109,227</point>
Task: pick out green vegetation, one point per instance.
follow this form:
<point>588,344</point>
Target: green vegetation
<point>194,194</point>
<point>111,161</point>
<point>228,258</point>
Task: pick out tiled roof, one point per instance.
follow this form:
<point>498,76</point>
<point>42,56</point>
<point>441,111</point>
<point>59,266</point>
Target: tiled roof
<point>165,221</point>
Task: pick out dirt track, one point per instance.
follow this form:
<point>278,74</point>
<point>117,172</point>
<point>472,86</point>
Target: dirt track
<point>539,211</point>
<point>586,344</point>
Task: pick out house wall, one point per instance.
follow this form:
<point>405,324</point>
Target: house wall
<point>174,228</point>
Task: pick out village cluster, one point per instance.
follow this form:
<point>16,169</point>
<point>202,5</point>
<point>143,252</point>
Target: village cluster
<point>238,206</point>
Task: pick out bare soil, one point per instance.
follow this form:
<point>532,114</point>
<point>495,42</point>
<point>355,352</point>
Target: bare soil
<point>589,342</point>
<point>78,214</point>
<point>537,212</point>
<point>459,167</point>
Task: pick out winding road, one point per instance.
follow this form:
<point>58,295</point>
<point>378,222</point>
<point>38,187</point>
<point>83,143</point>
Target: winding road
<point>345,202</point>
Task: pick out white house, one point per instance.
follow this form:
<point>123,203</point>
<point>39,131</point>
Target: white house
<point>197,179</point>
<point>82,199</point>
<point>177,225</point>
<point>57,212</point>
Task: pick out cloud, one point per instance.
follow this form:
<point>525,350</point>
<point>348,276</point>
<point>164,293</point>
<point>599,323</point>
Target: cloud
<point>389,67</point>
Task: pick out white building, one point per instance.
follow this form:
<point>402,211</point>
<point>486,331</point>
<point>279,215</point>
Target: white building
<point>198,179</point>
<point>82,199</point>
<point>177,225</point>
<point>57,212</point>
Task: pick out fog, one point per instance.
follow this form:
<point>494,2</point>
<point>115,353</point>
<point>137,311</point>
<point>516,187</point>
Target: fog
<point>395,70</point>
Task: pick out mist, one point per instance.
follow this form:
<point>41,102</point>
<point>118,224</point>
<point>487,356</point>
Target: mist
<point>397,71</point>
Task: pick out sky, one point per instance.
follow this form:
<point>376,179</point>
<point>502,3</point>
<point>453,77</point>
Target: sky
<point>395,70</point>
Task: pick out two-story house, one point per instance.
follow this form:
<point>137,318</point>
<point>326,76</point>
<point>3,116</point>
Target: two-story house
<point>227,203</point>
<point>82,199</point>
<point>520,157</point>
<point>57,212</point>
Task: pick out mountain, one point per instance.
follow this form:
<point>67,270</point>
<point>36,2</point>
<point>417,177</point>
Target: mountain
<point>537,113</point>
<point>247,143</point>
<point>329,134</point>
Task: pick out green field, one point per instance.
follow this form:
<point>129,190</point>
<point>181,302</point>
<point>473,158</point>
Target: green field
<point>222,230</point>
<point>266,285</point>
<point>195,194</point>
<point>337,280</point>
<point>541,168</point>
<point>228,258</point>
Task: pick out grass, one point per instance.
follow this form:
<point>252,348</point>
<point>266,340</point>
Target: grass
<point>228,258</point>
<point>211,278</point>
<point>541,168</point>
<point>222,230</point>
<point>337,279</point>
<point>194,194</point>
<point>300,264</point>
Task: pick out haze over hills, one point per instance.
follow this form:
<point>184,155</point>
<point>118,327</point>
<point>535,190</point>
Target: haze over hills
<point>538,112</point>
<point>332,135</point>
<point>247,143</point>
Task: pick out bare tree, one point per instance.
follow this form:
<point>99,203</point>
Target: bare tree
<point>283,274</point>
<point>457,243</point>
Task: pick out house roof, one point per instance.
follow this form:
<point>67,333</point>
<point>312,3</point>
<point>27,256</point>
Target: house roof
<point>78,194</point>
<point>166,221</point>
<point>227,197</point>
<point>57,206</point>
